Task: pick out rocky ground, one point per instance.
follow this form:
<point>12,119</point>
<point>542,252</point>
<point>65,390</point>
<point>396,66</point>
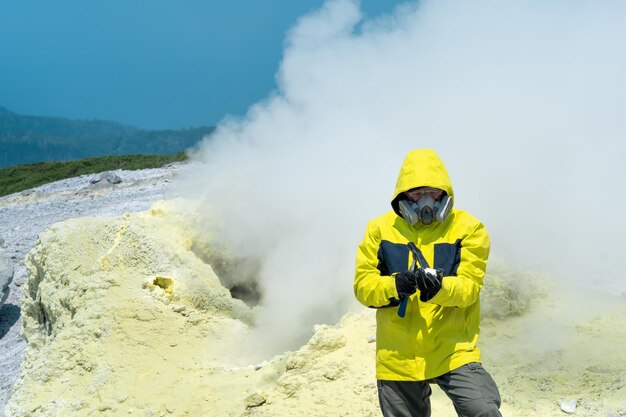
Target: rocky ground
<point>26,214</point>
<point>551,351</point>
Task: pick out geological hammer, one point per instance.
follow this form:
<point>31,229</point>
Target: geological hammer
<point>418,260</point>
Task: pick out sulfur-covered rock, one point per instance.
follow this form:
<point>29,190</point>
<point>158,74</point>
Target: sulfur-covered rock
<point>327,338</point>
<point>507,292</point>
<point>120,315</point>
<point>256,399</point>
<point>327,376</point>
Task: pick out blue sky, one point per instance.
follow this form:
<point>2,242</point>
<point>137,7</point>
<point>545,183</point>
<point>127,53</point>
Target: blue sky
<point>148,63</point>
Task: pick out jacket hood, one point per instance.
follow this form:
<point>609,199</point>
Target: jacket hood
<point>421,168</point>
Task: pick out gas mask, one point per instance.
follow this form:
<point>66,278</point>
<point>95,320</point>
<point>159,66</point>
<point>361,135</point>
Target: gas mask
<point>426,210</point>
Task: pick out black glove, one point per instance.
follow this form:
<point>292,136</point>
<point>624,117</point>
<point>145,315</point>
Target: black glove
<point>428,282</point>
<point>406,283</point>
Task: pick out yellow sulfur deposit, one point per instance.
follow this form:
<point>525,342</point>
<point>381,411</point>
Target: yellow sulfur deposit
<point>123,318</point>
<point>166,284</point>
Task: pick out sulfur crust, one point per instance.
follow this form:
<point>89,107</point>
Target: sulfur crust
<point>105,339</point>
<point>123,318</point>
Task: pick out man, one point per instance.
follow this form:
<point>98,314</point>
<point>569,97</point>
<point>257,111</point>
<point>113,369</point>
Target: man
<point>428,314</point>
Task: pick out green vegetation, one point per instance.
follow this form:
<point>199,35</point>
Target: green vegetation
<point>22,177</point>
<point>31,139</point>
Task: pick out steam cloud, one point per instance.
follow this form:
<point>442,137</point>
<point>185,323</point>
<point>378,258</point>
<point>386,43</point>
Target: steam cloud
<point>524,102</point>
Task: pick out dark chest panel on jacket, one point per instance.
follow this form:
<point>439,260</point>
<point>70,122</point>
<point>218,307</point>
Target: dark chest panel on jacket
<point>394,257</point>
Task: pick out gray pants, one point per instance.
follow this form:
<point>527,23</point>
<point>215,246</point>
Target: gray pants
<point>471,389</point>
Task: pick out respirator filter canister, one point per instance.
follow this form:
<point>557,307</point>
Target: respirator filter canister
<point>426,210</point>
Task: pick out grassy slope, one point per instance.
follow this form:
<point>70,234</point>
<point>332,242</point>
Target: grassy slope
<point>22,177</point>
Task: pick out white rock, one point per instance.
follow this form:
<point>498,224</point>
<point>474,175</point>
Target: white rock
<point>6,275</point>
<point>568,406</point>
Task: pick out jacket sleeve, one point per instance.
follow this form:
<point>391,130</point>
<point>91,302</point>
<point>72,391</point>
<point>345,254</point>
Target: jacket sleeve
<point>463,289</point>
<point>370,287</point>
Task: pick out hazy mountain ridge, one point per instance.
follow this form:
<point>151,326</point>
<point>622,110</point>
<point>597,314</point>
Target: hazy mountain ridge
<point>28,139</point>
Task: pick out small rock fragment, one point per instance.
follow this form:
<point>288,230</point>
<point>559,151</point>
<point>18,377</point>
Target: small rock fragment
<point>334,370</point>
<point>256,399</point>
<point>108,177</point>
<point>327,338</point>
<point>371,339</point>
<point>568,406</point>
<point>179,308</point>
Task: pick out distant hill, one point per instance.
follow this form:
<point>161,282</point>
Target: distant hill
<point>29,139</point>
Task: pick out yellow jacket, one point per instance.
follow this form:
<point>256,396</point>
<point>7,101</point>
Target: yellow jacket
<point>435,336</point>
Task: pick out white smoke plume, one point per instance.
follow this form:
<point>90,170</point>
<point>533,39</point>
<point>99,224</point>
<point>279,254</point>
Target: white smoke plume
<point>523,100</point>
